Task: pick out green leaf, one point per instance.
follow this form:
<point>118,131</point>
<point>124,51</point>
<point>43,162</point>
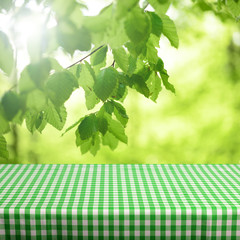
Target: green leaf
<point>86,81</point>
<point>5,4</point>
<point>39,72</point>
<point>120,113</point>
<point>6,56</point>
<point>123,96</point>
<point>157,24</point>
<point>132,65</point>
<point>18,118</point>
<point>91,144</point>
<point>105,83</point>
<point>72,38</point>
<point>72,126</point>
<point>163,1</point>
<point>154,85</point>
<point>31,117</point>
<point>75,70</point>
<point>95,146</point>
<point>76,16</point>
<point>116,34</point>
<point>55,64</point>
<point>55,116</point>
<point>41,122</point>
<point>90,69</point>
<point>140,85</point>
<point>234,8</point>
<point>160,6</point>
<point>124,6</point>
<point>102,125</point>
<point>26,84</point>
<point>11,104</point>
<point>164,75</point>
<point>135,49</point>
<point>152,53</point>
<point>4,125</point>
<point>165,81</point>
<point>110,140</point>
<point>79,141</point>
<point>91,99</point>
<point>108,107</point>
<point>121,58</point>
<point>88,127</point>
<point>116,129</point>
<point>120,91</point>
<point>99,23</point>
<point>3,148</point>
<point>137,26</point>
<point>160,65</point>
<point>35,121</point>
<point>84,38</point>
<point>99,56</point>
<point>63,8</point>
<point>143,70</point>
<point>60,86</point>
<point>36,100</point>
<point>86,145</point>
<point>170,31</point>
<point>35,75</point>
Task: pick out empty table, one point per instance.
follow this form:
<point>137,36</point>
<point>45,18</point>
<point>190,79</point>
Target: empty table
<point>131,201</point>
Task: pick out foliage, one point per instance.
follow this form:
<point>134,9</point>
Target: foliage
<point>222,8</point>
<point>125,31</point>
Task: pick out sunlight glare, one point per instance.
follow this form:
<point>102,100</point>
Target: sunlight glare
<point>28,27</point>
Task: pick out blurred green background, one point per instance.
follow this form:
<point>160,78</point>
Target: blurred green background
<point>200,124</point>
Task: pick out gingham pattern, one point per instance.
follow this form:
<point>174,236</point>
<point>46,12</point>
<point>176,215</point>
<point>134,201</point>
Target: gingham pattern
<point>119,201</point>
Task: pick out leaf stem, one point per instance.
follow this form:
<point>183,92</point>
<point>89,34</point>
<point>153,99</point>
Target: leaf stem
<point>85,57</point>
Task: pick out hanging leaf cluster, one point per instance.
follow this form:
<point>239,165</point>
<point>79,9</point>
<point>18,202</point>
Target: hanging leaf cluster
<point>224,9</point>
<point>124,30</point>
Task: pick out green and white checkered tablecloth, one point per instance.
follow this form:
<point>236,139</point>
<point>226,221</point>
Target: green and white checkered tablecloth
<point>119,201</point>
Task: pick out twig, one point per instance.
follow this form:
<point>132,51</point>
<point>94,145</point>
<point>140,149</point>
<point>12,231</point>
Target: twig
<point>85,57</point>
<point>15,84</point>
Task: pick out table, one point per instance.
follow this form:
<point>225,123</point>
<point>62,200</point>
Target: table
<point>131,201</point>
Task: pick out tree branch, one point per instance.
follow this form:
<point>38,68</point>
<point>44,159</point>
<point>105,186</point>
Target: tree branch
<point>16,84</point>
<point>85,57</point>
